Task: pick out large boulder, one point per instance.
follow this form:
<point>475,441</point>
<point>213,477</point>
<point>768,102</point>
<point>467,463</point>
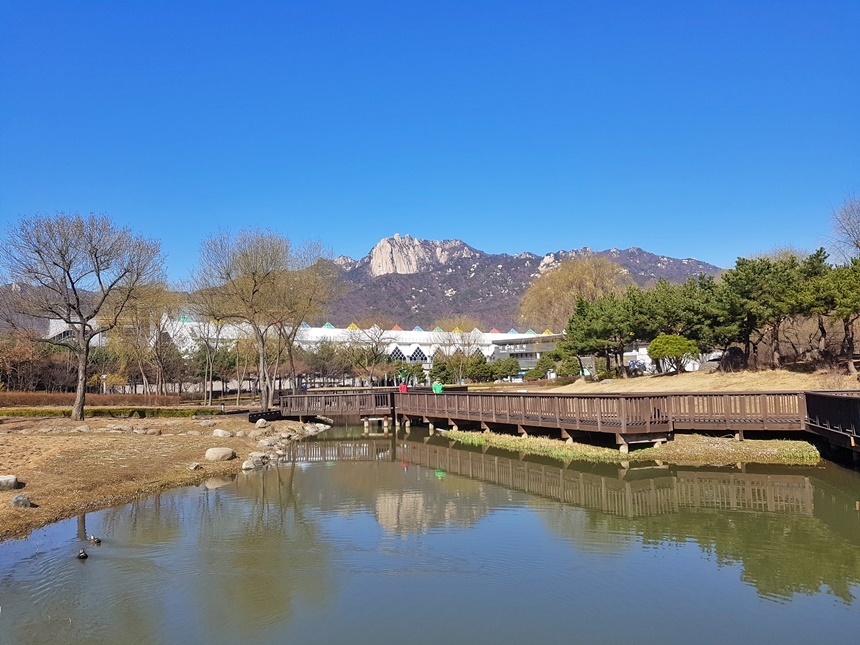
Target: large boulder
<point>220,454</point>
<point>221,433</point>
<point>8,482</point>
<point>261,423</point>
<point>21,501</point>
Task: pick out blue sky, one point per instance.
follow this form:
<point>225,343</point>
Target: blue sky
<point>704,129</point>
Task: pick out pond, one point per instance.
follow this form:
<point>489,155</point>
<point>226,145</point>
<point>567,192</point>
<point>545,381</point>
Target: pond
<point>379,541</point>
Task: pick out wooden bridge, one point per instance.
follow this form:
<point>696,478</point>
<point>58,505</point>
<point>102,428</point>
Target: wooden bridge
<point>630,418</point>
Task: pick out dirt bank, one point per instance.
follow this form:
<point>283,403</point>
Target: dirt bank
<point>767,380</point>
<point>68,470</point>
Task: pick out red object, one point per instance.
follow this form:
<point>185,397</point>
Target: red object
<point>403,387</point>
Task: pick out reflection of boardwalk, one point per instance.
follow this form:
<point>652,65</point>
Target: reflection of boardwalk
<point>344,450</point>
<point>656,496</point>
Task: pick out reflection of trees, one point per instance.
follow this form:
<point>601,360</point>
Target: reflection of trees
<point>224,565</point>
<point>414,501</point>
<point>807,542</point>
<point>781,555</point>
<point>258,552</point>
<point>150,520</point>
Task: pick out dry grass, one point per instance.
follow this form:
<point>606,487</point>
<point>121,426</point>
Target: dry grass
<point>41,399</point>
<point>768,380</point>
<point>684,450</point>
<point>68,473</point>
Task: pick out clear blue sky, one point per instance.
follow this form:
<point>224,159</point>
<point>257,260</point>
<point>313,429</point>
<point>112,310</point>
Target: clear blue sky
<point>705,129</point>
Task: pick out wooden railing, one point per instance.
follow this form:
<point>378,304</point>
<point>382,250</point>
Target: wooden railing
<point>362,403</point>
<point>636,413</point>
<point>617,413</point>
<point>835,416</point>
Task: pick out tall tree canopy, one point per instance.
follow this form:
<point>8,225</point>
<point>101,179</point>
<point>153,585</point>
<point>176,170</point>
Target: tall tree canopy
<point>551,299</point>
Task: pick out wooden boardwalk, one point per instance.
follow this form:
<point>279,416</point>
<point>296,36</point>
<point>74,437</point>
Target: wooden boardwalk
<point>630,418</point>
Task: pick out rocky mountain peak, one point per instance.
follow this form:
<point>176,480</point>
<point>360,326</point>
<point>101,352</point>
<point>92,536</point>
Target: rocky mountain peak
<point>406,255</point>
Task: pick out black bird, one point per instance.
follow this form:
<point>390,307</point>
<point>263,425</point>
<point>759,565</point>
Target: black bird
<point>95,540</point>
<point>82,555</point>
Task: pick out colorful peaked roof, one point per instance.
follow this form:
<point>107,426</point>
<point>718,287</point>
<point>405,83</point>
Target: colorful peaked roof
<point>438,329</point>
<point>513,331</point>
<point>417,328</point>
<point>328,325</point>
<point>457,330</point>
<point>495,331</point>
<point>304,324</point>
<point>352,326</point>
<point>397,328</point>
<point>547,332</point>
<point>532,331</point>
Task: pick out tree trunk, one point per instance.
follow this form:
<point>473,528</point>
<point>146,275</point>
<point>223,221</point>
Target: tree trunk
<point>822,335</point>
<point>848,343</point>
<point>776,357</point>
<point>262,376</point>
<point>81,391</point>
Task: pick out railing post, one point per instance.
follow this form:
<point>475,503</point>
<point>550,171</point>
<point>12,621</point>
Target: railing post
<point>622,413</point>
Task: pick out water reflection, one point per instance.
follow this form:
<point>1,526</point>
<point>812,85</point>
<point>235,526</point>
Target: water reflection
<point>308,552</point>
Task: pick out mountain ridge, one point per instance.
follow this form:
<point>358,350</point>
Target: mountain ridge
<point>413,281</point>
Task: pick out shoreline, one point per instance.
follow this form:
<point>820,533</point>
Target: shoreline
<point>68,468</point>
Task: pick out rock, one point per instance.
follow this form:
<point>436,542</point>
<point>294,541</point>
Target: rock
<point>248,465</point>
<point>153,431</point>
<point>257,455</point>
<point>241,433</point>
<point>221,433</point>
<point>83,428</point>
<point>256,434</point>
<point>267,443</point>
<point>139,430</point>
<point>193,433</point>
<point>220,454</point>
<point>124,427</point>
<point>207,423</point>
<point>195,466</point>
<point>709,367</point>
<point>261,423</point>
<point>8,482</point>
<point>21,501</point>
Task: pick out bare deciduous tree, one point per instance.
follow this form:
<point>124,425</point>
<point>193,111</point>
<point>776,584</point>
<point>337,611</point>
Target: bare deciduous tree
<point>261,280</point>
<point>82,270</point>
<point>846,227</point>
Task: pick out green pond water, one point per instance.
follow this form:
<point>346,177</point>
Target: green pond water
<point>379,541</point>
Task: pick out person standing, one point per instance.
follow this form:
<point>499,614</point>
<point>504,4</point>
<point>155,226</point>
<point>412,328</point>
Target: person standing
<point>437,387</point>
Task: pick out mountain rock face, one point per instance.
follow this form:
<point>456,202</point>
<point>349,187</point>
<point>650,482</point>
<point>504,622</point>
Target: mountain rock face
<point>417,282</point>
